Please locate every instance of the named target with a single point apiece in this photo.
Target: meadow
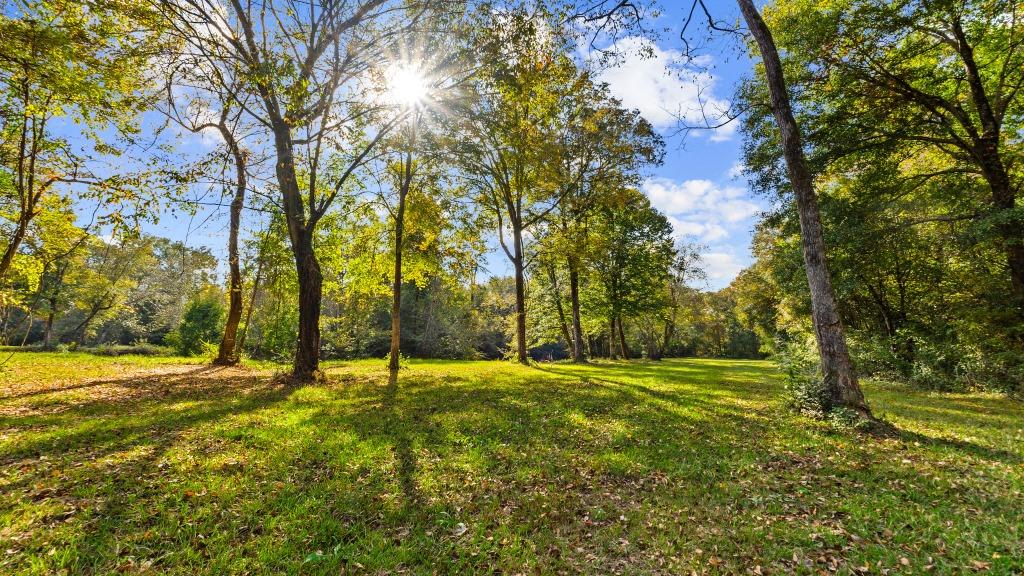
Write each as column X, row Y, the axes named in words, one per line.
column 164, row 465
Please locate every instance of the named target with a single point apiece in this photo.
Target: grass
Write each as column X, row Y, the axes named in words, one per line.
column 149, row 465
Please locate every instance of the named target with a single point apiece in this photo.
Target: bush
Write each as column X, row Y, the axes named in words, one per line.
column 200, row 324
column 805, row 388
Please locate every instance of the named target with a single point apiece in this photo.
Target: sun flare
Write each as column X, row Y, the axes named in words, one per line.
column 406, row 85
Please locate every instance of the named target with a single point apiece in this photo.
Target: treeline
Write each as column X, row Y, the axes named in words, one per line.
column 145, row 294
column 365, row 154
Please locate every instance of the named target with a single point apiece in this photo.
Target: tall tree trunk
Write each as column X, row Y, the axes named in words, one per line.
column 519, row 264
column 623, row 349
column 562, row 324
column 300, row 232
column 840, row 379
column 611, row 338
column 240, row 344
column 307, row 352
column 396, row 287
column 574, row 300
column 228, row 355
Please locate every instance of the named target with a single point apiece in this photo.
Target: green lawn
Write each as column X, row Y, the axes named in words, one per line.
column 151, row 465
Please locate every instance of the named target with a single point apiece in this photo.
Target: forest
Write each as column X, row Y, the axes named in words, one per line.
column 278, row 275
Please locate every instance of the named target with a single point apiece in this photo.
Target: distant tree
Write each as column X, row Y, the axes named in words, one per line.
column 505, row 143
column 631, row 258
column 598, row 146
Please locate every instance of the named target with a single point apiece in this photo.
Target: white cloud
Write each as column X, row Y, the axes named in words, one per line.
column 709, row 213
column 708, row 231
column 665, row 87
column 701, row 201
column 721, row 266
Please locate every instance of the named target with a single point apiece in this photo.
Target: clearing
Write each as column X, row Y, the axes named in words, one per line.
column 155, row 465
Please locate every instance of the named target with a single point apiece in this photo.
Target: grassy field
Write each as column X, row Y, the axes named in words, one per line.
column 152, row 465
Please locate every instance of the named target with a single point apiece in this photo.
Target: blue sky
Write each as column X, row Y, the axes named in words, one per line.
column 697, row 187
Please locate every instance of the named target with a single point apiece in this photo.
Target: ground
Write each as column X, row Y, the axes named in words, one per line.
column 152, row 465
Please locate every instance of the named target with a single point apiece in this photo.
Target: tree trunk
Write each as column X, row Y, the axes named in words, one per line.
column 300, row 233
column 228, row 355
column 396, row 288
column 562, row 324
column 1005, row 201
column 521, row 356
column 623, row 349
column 840, row 379
column 240, row 344
column 574, row 299
column 307, row 353
column 611, row 338
column 12, row 247
column 48, row 330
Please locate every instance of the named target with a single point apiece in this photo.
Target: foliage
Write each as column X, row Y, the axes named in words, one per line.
column 908, row 202
column 200, row 324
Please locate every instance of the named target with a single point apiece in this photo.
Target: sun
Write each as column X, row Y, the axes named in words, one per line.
column 407, row 85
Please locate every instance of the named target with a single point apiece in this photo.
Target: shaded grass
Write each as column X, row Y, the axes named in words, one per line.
column 148, row 465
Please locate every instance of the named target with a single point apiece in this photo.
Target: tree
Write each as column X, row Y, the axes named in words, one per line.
column 204, row 88
column 841, row 386
column 303, row 68
column 77, row 61
column 599, row 145
column 941, row 79
column 505, row 142
column 200, row 325
column 631, row 257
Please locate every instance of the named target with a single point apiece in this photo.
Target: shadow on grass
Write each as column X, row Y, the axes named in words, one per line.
column 467, row 471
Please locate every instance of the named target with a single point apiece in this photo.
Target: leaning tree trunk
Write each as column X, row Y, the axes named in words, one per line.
column 574, row 299
column 228, row 355
column 519, row 264
column 840, row 379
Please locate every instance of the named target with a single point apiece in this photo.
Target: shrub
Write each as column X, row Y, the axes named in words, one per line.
column 200, row 324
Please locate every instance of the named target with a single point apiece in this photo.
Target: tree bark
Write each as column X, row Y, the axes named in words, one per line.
column 519, row 264
column 307, row 352
column 574, row 299
column 48, row 330
column 306, row 366
column 611, row 339
column 396, row 287
column 840, row 379
column 228, row 354
column 12, row 246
